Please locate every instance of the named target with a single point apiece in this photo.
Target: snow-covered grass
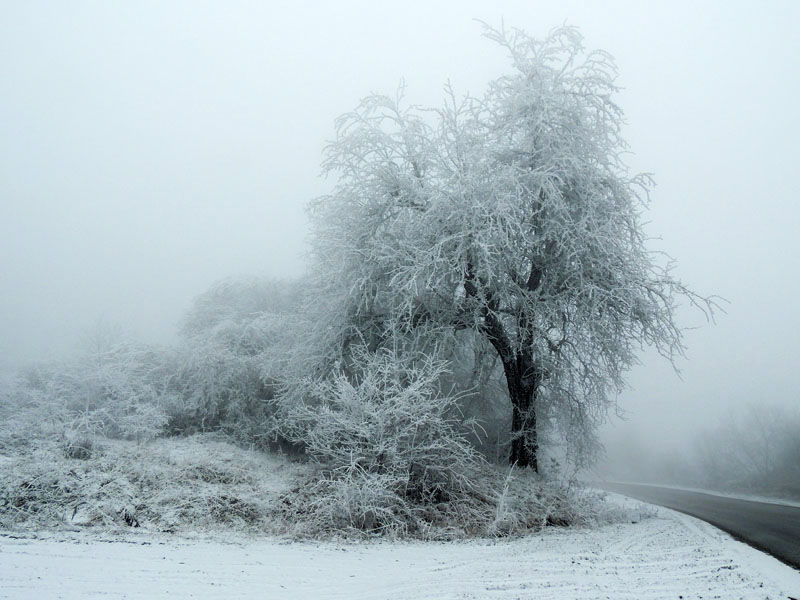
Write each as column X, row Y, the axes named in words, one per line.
column 204, row 483
column 172, row 484
column 669, row 556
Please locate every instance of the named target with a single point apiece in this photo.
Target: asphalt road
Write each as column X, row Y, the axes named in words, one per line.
column 773, row 528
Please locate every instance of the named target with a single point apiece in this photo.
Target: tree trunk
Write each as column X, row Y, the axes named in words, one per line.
column 523, row 384
column 522, row 376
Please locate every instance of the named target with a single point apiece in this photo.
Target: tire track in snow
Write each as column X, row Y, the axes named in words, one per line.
column 657, row 558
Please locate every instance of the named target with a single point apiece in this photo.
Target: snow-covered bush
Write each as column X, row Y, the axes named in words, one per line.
column 226, row 374
column 388, row 413
column 220, row 387
column 393, row 459
column 219, row 378
column 116, row 392
column 390, row 446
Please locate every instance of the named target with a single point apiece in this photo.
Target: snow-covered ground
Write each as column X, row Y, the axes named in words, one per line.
column 668, row 556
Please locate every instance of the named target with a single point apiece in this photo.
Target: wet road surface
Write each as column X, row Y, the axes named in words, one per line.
column 773, row 528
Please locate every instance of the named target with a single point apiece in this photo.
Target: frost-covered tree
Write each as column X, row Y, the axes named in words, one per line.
column 512, row 215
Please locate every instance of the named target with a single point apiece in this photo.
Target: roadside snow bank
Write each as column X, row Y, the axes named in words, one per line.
column 668, row 556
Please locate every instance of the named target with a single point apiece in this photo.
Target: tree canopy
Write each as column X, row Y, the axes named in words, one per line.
column 512, row 215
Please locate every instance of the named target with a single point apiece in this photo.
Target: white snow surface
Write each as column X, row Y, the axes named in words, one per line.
column 668, row 556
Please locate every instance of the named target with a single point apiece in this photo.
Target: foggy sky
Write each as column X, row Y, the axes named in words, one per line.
column 148, row 149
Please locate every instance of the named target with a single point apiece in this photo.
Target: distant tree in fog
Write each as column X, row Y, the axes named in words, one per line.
column 512, row 216
column 237, row 301
column 757, row 447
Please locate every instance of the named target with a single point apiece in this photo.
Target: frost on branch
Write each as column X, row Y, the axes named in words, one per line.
column 393, row 459
column 512, row 215
column 388, row 442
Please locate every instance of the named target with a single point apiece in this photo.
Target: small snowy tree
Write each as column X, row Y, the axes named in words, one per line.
column 512, row 215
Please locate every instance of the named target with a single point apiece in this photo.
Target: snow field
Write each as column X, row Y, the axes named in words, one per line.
column 667, row 556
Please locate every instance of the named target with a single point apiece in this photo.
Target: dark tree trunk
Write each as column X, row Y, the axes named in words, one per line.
column 522, row 376
column 523, row 379
column 523, row 384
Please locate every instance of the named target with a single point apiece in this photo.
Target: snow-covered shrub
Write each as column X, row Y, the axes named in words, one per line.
column 388, row 414
column 217, row 379
column 390, row 446
column 117, row 392
column 226, row 376
column 220, row 388
column 393, row 459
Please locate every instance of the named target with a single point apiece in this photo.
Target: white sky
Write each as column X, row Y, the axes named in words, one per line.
column 148, row 149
